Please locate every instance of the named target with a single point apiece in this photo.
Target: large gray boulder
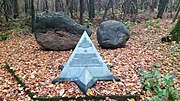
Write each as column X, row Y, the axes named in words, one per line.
column 58, row 40
column 57, row 31
column 112, row 34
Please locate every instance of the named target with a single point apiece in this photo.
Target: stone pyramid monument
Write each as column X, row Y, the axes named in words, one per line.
column 85, row 66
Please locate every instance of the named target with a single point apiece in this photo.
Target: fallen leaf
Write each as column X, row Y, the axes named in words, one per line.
column 62, row 91
column 132, row 99
column 148, row 93
column 89, row 92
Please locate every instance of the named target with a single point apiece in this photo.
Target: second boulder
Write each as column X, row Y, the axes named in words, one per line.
column 112, row 34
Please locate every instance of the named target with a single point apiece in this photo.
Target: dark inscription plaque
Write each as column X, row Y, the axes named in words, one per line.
column 85, row 60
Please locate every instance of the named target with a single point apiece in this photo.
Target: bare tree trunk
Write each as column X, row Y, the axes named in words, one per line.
column 67, row 6
column 46, row 6
column 15, row 9
column 175, row 17
column 151, row 6
column 42, row 6
column 171, row 8
column 99, row 6
column 176, row 4
column 145, row 6
column 112, row 7
column 88, row 7
column 91, row 9
column 56, row 5
column 76, row 7
column 154, row 4
column 32, row 15
column 5, row 7
column 81, row 10
column 53, row 5
column 37, row 5
column 29, row 6
column 142, row 4
column 61, row 6
column 130, row 7
column 135, row 3
column 26, row 5
column 71, row 8
column 161, row 7
column 106, row 9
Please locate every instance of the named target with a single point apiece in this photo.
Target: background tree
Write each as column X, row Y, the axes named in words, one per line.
column 71, row 8
column 108, row 4
column 6, row 9
column 130, row 8
column 15, row 9
column 91, row 9
column 154, row 4
column 57, row 6
column 161, row 7
column 26, row 4
column 115, row 9
column 81, row 10
column 32, row 15
column 178, row 9
column 46, row 8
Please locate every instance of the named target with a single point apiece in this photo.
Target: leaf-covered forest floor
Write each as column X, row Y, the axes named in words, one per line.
column 38, row 68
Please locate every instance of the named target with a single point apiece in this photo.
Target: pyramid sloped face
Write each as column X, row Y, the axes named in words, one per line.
column 85, row 55
column 85, row 66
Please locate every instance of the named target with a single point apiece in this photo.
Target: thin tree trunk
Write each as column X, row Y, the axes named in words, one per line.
column 175, row 17
column 32, row 15
column 112, row 7
column 154, row 4
column 15, row 9
column 135, row 3
column 106, row 9
column 76, row 8
column 88, row 7
column 81, row 10
column 46, row 6
column 145, row 6
column 56, row 5
column 29, row 5
column 171, row 8
column 151, row 6
column 91, row 9
column 142, row 4
column 161, row 7
column 37, row 5
column 5, row 7
column 176, row 4
column 99, row 6
column 26, row 5
column 53, row 5
column 71, row 8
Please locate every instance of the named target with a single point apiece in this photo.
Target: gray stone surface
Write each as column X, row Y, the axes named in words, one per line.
column 85, row 66
column 57, row 31
column 112, row 34
column 57, row 22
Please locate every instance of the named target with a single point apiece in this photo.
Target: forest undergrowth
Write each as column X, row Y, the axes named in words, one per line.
column 37, row 68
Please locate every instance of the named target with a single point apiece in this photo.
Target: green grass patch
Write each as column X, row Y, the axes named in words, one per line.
column 160, row 87
column 4, row 36
column 152, row 22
